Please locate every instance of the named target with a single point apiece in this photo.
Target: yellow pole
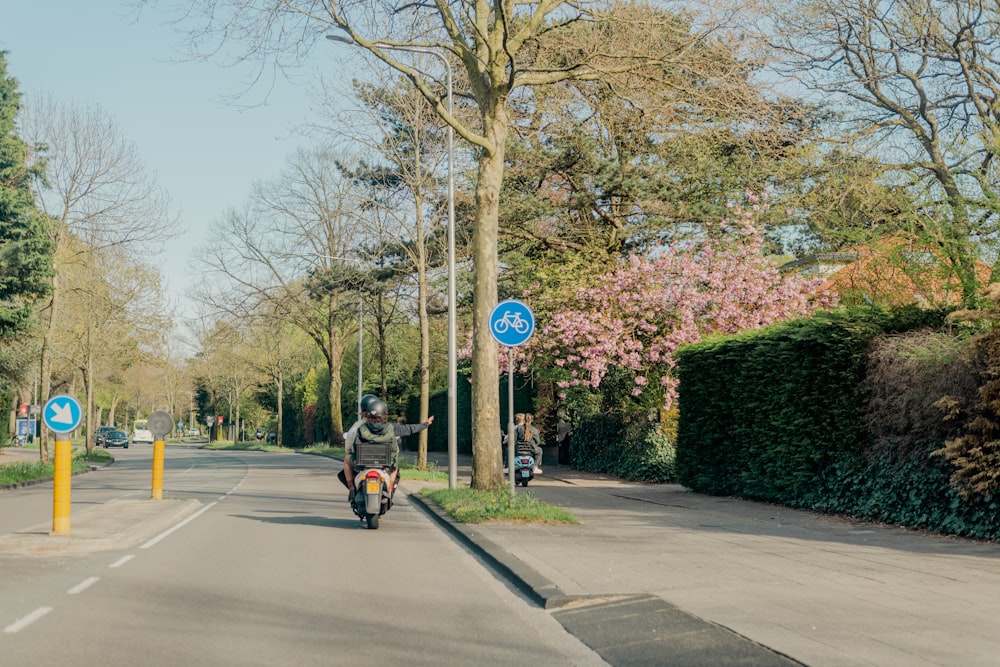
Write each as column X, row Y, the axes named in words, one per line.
column 157, row 470
column 62, row 473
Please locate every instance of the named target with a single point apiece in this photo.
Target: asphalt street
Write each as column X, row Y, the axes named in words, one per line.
column 655, row 575
column 251, row 559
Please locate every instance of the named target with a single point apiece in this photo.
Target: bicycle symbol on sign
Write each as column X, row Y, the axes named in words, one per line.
column 511, row 321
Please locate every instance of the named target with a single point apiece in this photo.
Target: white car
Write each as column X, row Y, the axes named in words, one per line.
column 142, row 435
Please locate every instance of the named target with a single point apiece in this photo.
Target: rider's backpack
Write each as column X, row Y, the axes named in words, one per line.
column 375, row 450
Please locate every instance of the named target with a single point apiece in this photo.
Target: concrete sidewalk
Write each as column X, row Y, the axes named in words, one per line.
column 655, row 575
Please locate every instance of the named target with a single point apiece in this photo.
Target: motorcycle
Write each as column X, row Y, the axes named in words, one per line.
column 371, row 497
column 524, row 468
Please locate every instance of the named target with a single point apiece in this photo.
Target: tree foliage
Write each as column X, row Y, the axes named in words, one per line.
column 25, row 248
column 285, row 257
column 496, row 46
column 611, row 166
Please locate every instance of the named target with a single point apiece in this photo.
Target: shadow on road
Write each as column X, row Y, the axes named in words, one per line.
column 304, row 520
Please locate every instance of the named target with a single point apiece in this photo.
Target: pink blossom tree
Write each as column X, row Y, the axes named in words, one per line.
column 636, row 315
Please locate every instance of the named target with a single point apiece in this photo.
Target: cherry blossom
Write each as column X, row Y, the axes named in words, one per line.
column 642, row 310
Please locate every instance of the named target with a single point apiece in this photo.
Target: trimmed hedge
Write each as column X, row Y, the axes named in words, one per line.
column 915, row 494
column 639, row 452
column 765, row 413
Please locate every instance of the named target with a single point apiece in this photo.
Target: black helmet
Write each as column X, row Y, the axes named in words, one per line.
column 377, row 410
column 366, row 401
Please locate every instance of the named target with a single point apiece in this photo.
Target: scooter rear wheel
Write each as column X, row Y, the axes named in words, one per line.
column 373, row 521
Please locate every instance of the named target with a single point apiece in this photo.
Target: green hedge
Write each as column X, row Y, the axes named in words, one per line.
column 915, row 494
column 639, row 452
column 765, row 413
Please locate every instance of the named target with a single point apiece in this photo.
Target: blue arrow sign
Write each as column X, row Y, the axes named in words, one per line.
column 62, row 413
column 512, row 323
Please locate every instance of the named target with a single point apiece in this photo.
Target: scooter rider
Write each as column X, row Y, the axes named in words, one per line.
column 528, row 440
column 378, row 428
column 363, row 405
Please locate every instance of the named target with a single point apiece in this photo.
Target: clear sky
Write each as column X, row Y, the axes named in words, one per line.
column 205, row 152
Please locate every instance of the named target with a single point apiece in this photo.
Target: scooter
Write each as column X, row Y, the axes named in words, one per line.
column 371, row 498
column 524, row 468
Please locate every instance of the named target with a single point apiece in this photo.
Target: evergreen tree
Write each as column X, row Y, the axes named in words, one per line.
column 25, row 248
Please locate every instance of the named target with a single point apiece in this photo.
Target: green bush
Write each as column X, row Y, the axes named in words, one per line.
column 597, row 444
column 639, row 452
column 914, row 493
column 649, row 454
column 765, row 413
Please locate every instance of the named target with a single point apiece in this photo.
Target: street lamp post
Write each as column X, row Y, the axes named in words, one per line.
column 452, row 309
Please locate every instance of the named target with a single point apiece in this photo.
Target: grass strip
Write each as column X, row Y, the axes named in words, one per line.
column 498, row 506
column 26, row 471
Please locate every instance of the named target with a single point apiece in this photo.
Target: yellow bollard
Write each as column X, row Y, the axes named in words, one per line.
column 157, row 470
column 62, row 474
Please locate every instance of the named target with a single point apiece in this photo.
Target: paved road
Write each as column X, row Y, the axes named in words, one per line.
column 258, row 561
column 655, row 575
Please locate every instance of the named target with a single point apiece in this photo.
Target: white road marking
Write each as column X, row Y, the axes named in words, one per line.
column 22, row 623
column 177, row 526
column 83, row 585
column 121, row 561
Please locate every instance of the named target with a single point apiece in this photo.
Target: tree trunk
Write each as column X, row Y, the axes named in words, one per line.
column 281, row 407
column 45, row 372
column 487, row 464
column 336, row 384
column 88, row 387
column 112, row 410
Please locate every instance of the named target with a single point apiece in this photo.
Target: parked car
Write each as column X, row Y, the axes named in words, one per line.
column 116, row 439
column 102, row 432
column 193, row 431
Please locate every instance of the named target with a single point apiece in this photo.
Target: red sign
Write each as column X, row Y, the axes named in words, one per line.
column 218, row 419
column 22, row 410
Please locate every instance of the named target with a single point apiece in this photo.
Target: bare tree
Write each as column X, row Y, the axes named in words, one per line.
column 96, row 190
column 917, row 83
column 259, row 259
column 404, row 183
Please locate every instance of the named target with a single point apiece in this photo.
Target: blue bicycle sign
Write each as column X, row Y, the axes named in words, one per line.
column 512, row 323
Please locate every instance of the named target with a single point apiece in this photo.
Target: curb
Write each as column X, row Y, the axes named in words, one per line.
column 540, row 590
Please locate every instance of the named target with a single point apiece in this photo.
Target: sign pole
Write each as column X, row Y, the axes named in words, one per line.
column 512, row 323
column 511, row 436
column 62, row 474
column 157, row 469
column 159, row 424
column 62, row 414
